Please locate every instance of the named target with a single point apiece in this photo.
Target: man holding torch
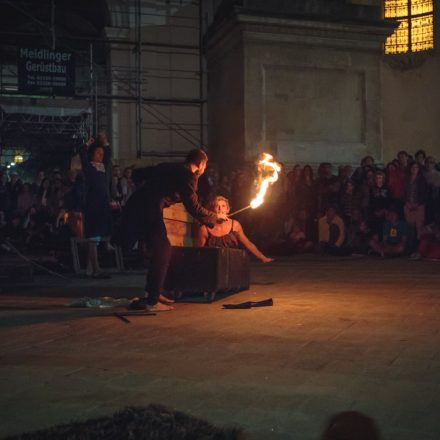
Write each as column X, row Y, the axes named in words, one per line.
column 164, row 185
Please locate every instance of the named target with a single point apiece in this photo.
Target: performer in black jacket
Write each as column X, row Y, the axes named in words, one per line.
column 163, row 185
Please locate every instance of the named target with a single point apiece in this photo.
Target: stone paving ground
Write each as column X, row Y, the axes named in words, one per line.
column 343, row 334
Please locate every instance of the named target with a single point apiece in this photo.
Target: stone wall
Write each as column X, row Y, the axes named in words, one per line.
column 311, row 88
column 411, row 108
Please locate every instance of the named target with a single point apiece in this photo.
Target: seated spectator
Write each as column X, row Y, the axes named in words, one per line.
column 429, row 245
column 394, row 236
column 351, row 425
column 295, row 237
column 13, row 232
column 358, row 233
column 37, row 231
column 331, row 233
column 228, row 234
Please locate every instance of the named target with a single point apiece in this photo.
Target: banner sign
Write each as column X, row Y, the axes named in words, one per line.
column 45, row 71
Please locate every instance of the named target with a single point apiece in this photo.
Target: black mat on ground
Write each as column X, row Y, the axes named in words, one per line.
column 154, row 422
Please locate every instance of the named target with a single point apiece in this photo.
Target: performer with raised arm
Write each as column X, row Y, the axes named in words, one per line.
column 96, row 163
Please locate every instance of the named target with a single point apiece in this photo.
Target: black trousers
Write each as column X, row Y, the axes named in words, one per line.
column 157, row 241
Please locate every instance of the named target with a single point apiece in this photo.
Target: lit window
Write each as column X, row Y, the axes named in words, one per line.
column 415, row 31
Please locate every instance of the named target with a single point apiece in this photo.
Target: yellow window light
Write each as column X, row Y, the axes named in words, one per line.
column 415, row 32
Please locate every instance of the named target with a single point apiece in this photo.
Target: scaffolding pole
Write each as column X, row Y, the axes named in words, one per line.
column 201, row 83
column 138, row 81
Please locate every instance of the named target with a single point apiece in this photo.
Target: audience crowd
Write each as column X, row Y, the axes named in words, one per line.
column 371, row 210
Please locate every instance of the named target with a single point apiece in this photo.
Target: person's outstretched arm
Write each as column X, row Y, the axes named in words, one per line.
column 249, row 245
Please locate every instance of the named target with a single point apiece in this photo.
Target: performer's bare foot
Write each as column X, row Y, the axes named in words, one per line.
column 164, row 300
column 159, row 307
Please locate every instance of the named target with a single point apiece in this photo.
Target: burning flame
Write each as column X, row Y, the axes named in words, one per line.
column 268, row 171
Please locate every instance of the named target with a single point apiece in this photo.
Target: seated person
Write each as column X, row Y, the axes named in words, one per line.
column 395, row 236
column 227, row 234
column 331, row 232
column 358, row 233
column 429, row 245
column 295, row 236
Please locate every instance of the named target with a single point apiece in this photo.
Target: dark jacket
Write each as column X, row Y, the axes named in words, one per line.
column 163, row 185
column 96, row 210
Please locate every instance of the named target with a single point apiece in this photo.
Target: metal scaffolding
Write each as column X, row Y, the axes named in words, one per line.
column 101, row 82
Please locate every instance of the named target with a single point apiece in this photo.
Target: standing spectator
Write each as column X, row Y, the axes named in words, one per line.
column 293, row 181
column 347, row 201
column 25, row 199
column 415, row 197
column 74, row 202
column 95, row 161
column 307, row 191
column 13, row 187
column 328, row 187
column 44, row 194
column 345, row 173
column 127, row 186
column 364, row 190
column 55, row 197
column 208, row 184
column 379, row 202
column 5, row 199
column 394, row 183
column 359, row 175
column 37, row 182
column 400, row 177
column 224, row 186
column 115, row 185
column 420, row 158
column 432, row 177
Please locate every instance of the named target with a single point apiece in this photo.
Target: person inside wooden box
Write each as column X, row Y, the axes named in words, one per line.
column 228, row 234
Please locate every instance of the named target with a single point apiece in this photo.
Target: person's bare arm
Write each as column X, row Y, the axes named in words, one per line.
column 249, row 245
column 201, row 235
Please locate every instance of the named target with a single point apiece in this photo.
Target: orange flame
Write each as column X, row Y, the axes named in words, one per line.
column 268, row 171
